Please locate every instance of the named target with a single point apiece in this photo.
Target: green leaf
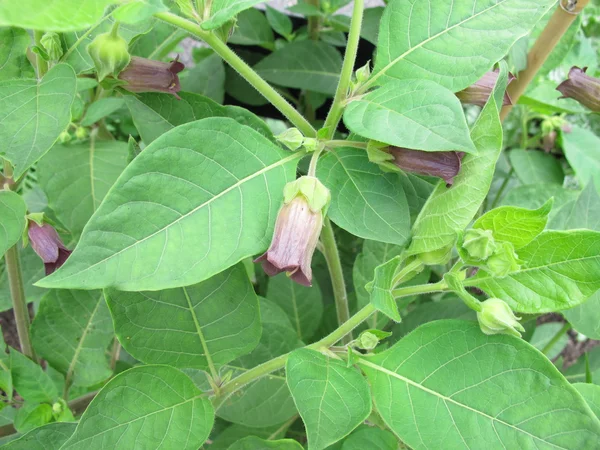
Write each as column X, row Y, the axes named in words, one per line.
column 519, row 226
column 455, row 43
column 416, row 114
column 577, row 372
column 449, row 210
column 72, row 331
column 499, row 385
column 561, row 270
column 381, row 288
column 32, row 269
column 75, row 190
column 279, row 21
column 237, row 87
column 158, row 44
column 582, row 149
column 53, row 15
column 137, row 10
column 48, row 437
column 364, row 201
column 224, row 10
column 302, row 305
column 155, row 114
column 332, row 398
column 13, row 54
column 542, row 336
column 252, row 28
column 30, row 381
column 33, row 115
column 12, row 219
column 535, row 167
column 591, row 395
column 582, row 212
column 585, row 318
column 212, row 322
column 100, row 109
column 145, row 407
column 206, row 78
column 307, row 64
column 256, row 443
column 535, row 195
column 545, row 99
column 370, row 438
column 31, row 416
column 233, row 433
column 213, row 175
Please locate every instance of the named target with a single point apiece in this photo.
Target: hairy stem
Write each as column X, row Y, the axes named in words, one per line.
column 560, row 333
column 342, row 143
column 420, row 289
column 314, row 22
column 40, row 63
column 341, row 93
column 243, row 69
column 334, row 265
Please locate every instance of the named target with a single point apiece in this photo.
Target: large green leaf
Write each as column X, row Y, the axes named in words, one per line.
column 48, row 437
column 256, row 443
column 145, row 407
column 582, row 149
column 223, row 10
column 72, row 331
column 561, row 270
column 536, row 167
column 332, row 398
column 364, row 201
column 544, row 334
column 75, row 190
column 591, row 394
column 585, row 318
column 33, row 115
column 366, row 437
column 417, row 114
column 306, row 64
column 453, row 43
column 196, row 201
column 207, row 77
column 155, row 114
column 499, row 386
column 53, row 15
column 13, row 54
column 252, row 28
column 212, row 322
column 12, row 219
column 30, row 381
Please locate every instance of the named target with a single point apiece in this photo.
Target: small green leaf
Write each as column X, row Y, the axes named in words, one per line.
column 332, row 399
column 381, row 288
column 366, row 437
column 34, row 114
column 137, row 10
column 145, row 407
column 252, row 28
column 582, row 149
column 561, row 270
column 256, row 443
column 100, row 109
column 591, row 395
column 48, row 437
column 12, row 219
column 280, row 22
column 223, row 10
column 518, row 226
column 13, row 54
column 30, row 381
column 535, row 167
column 32, row 415
column 416, row 114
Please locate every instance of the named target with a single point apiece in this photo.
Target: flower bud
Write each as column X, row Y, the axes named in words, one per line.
column 479, row 244
column 496, row 317
column 581, row 87
column 445, row 165
column 291, row 138
column 64, row 137
column 479, row 92
column 503, row 261
column 109, row 53
column 51, row 43
column 297, row 230
column 368, row 339
column 81, row 133
column 146, row 75
column 363, row 73
column 48, row 245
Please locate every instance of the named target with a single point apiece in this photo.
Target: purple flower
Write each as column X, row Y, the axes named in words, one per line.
column 146, row 75
column 581, row 87
column 47, row 244
column 479, row 92
column 445, row 165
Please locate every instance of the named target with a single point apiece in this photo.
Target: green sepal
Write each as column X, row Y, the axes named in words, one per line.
column 316, row 194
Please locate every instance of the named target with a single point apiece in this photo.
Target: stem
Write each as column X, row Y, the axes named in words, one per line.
column 115, row 354
column 560, row 333
column 415, row 264
column 502, row 187
column 334, row 265
column 40, row 63
column 545, row 43
column 164, row 47
column 335, row 113
column 420, row 289
column 243, row 69
column 342, row 143
column 314, row 22
column 312, row 167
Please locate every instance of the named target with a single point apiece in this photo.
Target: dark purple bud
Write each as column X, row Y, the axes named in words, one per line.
column 479, row 92
column 47, row 244
column 296, row 235
column 581, row 87
column 146, row 75
column 445, row 165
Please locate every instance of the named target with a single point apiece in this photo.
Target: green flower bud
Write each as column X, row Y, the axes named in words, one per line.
column 311, row 144
column 51, row 43
column 503, row 261
column 363, row 73
column 479, row 244
column 109, row 53
column 57, row 408
column 64, row 137
column 291, row 138
column 496, row 317
column 316, row 194
column 368, row 339
column 440, row 256
column 81, row 133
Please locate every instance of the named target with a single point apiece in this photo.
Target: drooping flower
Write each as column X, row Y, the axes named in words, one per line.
column 46, row 242
column 479, row 92
column 445, row 165
column 496, row 317
column 581, row 87
column 297, row 230
column 146, row 75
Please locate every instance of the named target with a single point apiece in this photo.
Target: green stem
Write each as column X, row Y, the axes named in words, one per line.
column 560, row 333
column 342, row 143
column 502, row 188
column 341, row 93
column 420, row 289
column 312, row 167
column 41, row 63
column 314, row 22
column 165, row 46
column 406, row 270
column 243, row 69
column 334, row 265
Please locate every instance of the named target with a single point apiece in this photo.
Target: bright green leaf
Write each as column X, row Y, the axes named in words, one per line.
column 33, row 115
column 12, row 219
column 223, row 10
column 31, row 416
column 533, row 196
column 332, row 398
column 279, row 21
column 256, row 443
column 381, row 288
column 48, row 437
column 100, row 109
column 252, row 28
column 591, row 395
column 582, row 212
column 582, row 149
column 135, row 11
column 545, row 99
column 30, row 381
column 585, row 318
column 370, row 438
column 535, row 167
column 13, row 54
